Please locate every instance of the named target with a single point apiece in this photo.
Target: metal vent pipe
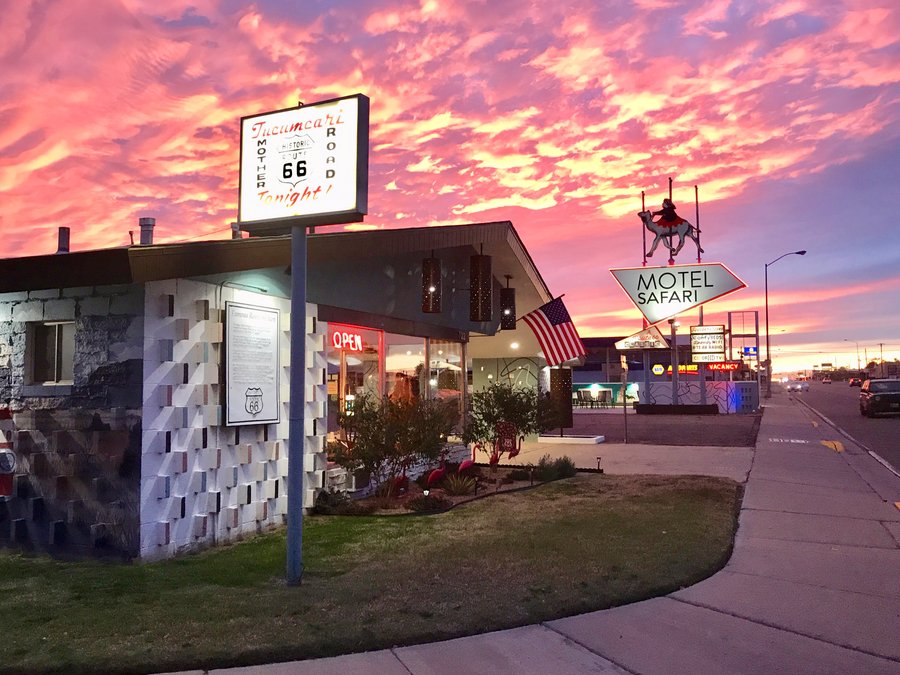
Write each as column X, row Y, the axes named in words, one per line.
column 63, row 240
column 147, row 225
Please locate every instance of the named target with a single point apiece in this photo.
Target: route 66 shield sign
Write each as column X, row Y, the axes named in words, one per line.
column 253, row 401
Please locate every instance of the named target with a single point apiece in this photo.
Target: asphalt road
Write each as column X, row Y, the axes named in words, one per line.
column 839, row 402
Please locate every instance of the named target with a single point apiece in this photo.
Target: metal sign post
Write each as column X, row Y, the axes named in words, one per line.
column 302, row 167
column 296, row 435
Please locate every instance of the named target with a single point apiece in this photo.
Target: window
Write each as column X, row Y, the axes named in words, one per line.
column 52, row 352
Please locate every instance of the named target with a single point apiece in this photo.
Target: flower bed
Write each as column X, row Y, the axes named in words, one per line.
column 402, row 496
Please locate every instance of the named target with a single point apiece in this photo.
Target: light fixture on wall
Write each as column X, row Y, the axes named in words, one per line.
column 507, row 306
column 431, row 285
column 481, row 287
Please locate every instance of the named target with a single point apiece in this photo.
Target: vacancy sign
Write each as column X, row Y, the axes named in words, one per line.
column 306, row 162
column 708, row 343
column 724, row 366
column 663, row 292
column 649, row 338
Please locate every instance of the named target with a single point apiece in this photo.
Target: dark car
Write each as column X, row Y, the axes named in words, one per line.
column 855, row 382
column 879, row 396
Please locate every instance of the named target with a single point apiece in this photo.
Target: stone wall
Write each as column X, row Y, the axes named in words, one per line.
column 77, row 446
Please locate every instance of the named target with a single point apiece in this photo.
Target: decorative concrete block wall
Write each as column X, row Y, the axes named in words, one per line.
column 77, row 446
column 202, row 482
column 730, row 397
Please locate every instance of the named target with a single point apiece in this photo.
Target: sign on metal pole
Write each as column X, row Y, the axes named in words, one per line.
column 663, row 292
column 302, row 167
column 708, row 343
column 649, row 338
column 305, row 165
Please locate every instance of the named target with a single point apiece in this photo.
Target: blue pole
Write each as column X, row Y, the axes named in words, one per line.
column 296, row 432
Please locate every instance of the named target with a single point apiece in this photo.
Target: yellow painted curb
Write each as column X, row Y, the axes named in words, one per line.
column 837, row 446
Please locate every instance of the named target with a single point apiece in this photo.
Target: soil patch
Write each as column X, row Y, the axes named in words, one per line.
column 715, row 430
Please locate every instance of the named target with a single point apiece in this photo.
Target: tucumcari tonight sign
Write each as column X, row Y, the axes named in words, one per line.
column 306, row 162
column 663, row 292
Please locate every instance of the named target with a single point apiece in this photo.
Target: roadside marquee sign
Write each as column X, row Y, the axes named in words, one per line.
column 663, row 292
column 708, row 343
column 648, row 338
column 308, row 163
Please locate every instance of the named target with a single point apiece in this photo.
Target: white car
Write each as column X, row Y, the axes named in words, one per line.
column 798, row 385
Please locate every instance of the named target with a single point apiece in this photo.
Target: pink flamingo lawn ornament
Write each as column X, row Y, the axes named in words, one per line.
column 465, row 465
column 437, row 475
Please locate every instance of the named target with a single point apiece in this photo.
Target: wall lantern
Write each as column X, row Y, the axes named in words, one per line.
column 507, row 306
column 481, row 287
column 431, row 285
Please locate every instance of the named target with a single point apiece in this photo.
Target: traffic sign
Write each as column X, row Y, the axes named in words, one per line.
column 663, row 292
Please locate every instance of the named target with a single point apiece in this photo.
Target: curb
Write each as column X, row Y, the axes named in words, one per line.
column 878, row 458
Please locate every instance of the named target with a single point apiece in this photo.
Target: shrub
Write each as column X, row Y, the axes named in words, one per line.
column 385, row 493
column 386, row 437
column 553, row 469
column 520, row 474
column 333, row 503
column 565, row 467
column 502, row 402
column 430, row 503
column 459, row 485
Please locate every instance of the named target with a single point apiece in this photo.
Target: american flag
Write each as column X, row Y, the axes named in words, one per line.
column 555, row 332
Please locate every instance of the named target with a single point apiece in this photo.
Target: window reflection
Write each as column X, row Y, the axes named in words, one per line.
column 404, row 366
column 352, row 367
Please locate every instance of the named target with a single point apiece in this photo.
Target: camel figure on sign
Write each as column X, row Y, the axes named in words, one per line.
column 680, row 230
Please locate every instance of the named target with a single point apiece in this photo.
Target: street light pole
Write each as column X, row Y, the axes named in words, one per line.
column 857, row 354
column 768, row 352
column 673, row 325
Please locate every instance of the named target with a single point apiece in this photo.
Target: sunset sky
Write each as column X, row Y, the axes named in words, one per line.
column 785, row 114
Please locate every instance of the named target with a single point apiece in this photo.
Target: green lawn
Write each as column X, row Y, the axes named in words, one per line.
column 581, row 544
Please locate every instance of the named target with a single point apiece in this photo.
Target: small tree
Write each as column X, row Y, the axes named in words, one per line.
column 385, row 437
column 502, row 402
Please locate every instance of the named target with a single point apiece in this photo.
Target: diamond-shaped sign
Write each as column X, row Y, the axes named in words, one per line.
column 649, row 338
column 663, row 292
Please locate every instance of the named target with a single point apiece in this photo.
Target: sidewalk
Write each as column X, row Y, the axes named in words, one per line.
column 813, row 584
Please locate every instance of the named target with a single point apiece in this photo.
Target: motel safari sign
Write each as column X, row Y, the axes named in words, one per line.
column 663, row 292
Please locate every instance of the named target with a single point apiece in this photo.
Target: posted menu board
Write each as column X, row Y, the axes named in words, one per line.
column 251, row 364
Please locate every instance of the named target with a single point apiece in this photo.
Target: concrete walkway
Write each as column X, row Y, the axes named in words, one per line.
column 813, row 584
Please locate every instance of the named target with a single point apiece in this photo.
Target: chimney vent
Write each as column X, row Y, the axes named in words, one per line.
column 63, row 239
column 147, row 225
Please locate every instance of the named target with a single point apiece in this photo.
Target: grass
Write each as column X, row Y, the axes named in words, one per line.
column 577, row 545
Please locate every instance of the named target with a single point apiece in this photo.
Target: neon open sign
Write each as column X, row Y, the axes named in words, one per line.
column 347, row 340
